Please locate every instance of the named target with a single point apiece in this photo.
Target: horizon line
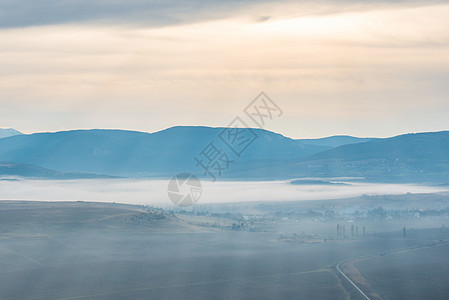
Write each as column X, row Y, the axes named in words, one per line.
column 220, row 127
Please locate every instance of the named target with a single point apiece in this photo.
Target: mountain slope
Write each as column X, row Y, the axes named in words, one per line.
column 131, row 153
column 335, row 141
column 7, row 132
column 428, row 146
column 410, row 157
column 8, row 170
column 405, row 158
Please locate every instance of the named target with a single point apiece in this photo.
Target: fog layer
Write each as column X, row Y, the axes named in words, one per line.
column 154, row 192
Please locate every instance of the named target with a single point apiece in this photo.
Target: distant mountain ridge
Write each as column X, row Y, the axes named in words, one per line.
column 425, row 146
column 271, row 156
column 132, row 153
column 404, row 158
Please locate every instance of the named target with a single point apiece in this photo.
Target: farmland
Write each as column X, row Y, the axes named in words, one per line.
column 83, row 250
column 419, row 273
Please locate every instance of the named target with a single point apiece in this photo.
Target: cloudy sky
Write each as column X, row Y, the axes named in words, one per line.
column 365, row 68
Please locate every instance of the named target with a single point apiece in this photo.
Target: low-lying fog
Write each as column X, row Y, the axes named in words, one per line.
column 150, row 192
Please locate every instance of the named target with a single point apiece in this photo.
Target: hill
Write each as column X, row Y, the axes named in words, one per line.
column 131, row 153
column 7, row 132
column 404, row 158
column 269, row 156
column 420, row 147
column 10, row 171
column 335, row 141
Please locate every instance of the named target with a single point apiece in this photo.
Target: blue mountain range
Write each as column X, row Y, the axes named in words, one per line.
column 264, row 154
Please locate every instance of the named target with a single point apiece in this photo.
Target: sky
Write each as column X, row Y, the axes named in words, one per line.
column 363, row 68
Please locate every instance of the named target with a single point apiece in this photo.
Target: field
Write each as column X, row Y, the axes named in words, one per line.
column 82, row 250
column 420, row 273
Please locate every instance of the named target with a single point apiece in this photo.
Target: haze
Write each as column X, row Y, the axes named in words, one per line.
column 154, row 192
column 366, row 69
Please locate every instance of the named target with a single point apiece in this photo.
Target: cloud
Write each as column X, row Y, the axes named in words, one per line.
column 21, row 13
column 377, row 71
column 156, row 13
